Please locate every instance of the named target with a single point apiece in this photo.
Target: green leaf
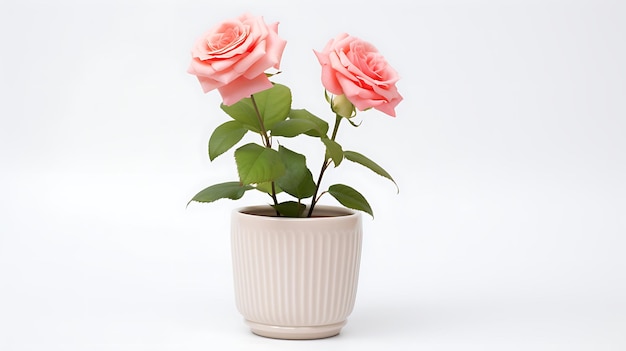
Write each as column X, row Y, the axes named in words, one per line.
column 258, row 164
column 350, row 198
column 364, row 161
column 274, row 104
column 267, row 188
column 290, row 209
column 333, row 151
column 224, row 137
column 243, row 111
column 297, row 180
column 293, row 127
column 228, row 190
column 321, row 124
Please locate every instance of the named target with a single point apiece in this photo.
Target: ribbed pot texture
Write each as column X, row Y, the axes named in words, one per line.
column 296, row 278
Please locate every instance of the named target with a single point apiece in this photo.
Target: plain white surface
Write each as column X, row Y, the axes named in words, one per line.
column 508, row 232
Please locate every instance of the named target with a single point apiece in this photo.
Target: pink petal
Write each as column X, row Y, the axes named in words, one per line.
column 209, row 84
column 225, row 76
column 242, row 88
column 329, row 80
column 245, row 63
column 275, row 46
column 389, row 107
column 199, row 68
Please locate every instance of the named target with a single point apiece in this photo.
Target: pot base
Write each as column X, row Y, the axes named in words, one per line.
column 296, row 333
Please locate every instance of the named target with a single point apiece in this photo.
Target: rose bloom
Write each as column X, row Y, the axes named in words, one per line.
column 354, row 68
column 232, row 57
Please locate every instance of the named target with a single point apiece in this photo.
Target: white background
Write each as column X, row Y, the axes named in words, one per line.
column 508, row 232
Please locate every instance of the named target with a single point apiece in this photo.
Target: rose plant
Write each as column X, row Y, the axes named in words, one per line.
column 233, row 58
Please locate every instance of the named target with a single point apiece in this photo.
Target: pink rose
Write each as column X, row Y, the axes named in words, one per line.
column 355, row 68
column 232, row 57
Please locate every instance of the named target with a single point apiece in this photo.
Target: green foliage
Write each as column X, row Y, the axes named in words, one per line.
column 350, row 198
column 290, row 209
column 279, row 170
column 268, row 189
column 258, row 164
column 333, row 151
column 364, row 161
column 224, row 137
column 302, row 114
column 228, row 190
column 244, row 113
column 297, row 180
column 293, row 127
column 274, row 104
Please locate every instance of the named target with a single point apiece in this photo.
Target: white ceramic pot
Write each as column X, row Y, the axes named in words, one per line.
column 296, row 278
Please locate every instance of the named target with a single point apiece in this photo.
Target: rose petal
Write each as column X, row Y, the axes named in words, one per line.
column 356, row 69
column 242, row 88
column 245, row 63
column 203, row 69
column 233, row 56
column 389, row 107
column 209, row 84
column 329, row 79
column 275, row 46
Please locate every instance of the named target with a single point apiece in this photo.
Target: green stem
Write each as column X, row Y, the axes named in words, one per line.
column 325, row 165
column 267, row 142
column 336, row 128
column 266, row 138
column 274, row 197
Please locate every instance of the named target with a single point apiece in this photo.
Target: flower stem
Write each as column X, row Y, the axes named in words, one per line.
column 338, row 119
column 325, row 165
column 267, row 142
column 266, row 138
column 274, row 197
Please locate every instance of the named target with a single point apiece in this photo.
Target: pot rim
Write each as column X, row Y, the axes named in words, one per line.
column 324, row 212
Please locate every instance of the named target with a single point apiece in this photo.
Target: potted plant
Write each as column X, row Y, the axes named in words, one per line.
column 295, row 262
